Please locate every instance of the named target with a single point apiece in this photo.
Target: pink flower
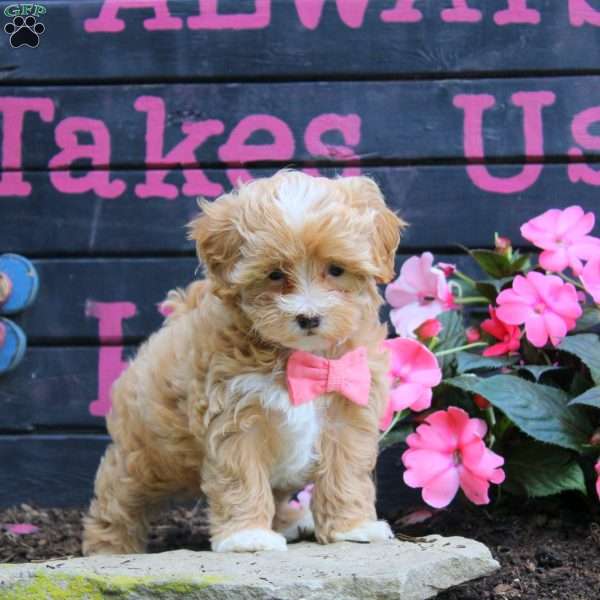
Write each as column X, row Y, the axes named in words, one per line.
column 562, row 235
column 480, row 402
column 545, row 303
column 598, row 480
column 448, row 452
column 429, row 329
column 414, row 371
column 448, row 269
column 509, row 335
column 21, row 528
column 590, row 277
column 421, row 292
column 472, row 334
column 303, row 498
column 503, row 245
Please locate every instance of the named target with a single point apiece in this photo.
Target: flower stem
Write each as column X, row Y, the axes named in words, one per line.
column 464, row 277
column 576, row 283
column 471, row 300
column 460, row 348
column 397, row 417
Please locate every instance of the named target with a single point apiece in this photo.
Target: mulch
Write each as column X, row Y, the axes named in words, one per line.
column 548, row 550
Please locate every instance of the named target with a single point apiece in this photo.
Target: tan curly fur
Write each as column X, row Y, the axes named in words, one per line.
column 203, row 407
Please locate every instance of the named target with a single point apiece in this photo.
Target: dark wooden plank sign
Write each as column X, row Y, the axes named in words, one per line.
column 161, row 127
column 431, row 198
column 91, row 40
column 115, row 115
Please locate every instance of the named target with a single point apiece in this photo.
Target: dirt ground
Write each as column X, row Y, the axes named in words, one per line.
column 547, row 551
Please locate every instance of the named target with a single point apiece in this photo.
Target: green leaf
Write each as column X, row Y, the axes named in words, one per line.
column 538, row 410
column 538, row 370
column 469, row 361
column 520, row 262
column 396, row 436
column 494, row 264
column 586, row 347
column 589, row 319
column 487, row 289
column 541, row 470
column 589, row 398
column 451, row 336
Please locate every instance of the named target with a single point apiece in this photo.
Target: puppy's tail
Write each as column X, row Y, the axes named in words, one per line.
column 179, row 301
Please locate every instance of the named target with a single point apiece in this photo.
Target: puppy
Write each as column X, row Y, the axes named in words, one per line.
column 292, row 262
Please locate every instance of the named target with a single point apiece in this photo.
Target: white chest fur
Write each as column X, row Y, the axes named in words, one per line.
column 297, row 427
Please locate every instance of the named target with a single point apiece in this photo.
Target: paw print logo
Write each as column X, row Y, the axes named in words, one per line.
column 24, row 32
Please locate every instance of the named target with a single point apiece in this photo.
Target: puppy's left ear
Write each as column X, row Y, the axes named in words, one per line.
column 364, row 194
column 217, row 236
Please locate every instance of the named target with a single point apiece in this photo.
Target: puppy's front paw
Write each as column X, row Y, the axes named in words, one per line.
column 250, row 540
column 369, row 531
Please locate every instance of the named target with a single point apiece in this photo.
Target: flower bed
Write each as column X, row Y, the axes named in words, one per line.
column 496, row 381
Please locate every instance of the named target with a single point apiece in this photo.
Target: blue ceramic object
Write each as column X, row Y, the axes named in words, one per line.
column 24, row 283
column 13, row 344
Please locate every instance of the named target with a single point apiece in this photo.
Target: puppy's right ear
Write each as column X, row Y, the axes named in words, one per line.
column 216, row 234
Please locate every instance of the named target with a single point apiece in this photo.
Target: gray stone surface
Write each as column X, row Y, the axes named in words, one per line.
column 307, row 571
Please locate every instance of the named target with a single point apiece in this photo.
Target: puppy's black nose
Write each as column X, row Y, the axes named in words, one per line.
column 308, row 322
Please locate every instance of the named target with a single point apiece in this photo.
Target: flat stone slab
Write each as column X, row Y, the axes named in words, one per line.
column 394, row 570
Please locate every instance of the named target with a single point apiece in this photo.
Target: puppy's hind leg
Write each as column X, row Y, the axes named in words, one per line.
column 119, row 515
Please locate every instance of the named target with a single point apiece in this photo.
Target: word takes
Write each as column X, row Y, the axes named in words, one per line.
column 532, row 105
column 236, row 150
column 351, row 12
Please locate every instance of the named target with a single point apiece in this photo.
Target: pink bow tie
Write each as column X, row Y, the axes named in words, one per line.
column 309, row 376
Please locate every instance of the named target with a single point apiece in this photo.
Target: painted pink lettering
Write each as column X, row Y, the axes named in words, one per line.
column 580, row 130
column 110, row 317
column 13, row 115
column 237, row 151
column 352, row 12
column 98, row 152
column 474, row 105
column 348, row 125
column 183, row 154
column 402, row 12
column 461, row 12
column 580, row 13
column 209, row 18
column 108, row 22
column 517, row 13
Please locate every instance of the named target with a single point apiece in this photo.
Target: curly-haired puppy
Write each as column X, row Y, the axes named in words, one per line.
column 292, row 265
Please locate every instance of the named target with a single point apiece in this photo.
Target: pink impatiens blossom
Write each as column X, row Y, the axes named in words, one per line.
column 448, row 269
column 421, row 292
column 509, row 336
column 429, row 329
column 472, row 334
column 590, row 277
column 448, row 452
column 598, row 480
column 414, row 371
column 303, row 498
column 562, row 235
column 545, row 303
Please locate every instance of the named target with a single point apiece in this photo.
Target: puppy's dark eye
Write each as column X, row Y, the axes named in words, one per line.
column 276, row 275
column 335, row 270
